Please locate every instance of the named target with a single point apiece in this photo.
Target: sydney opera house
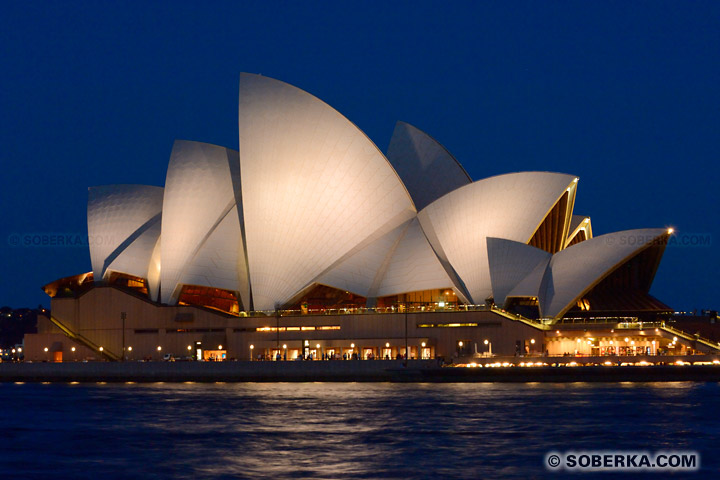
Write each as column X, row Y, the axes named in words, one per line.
column 310, row 240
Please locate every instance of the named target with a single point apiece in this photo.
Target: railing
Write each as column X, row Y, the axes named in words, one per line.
column 519, row 318
column 690, row 337
column 586, row 320
column 369, row 310
column 401, row 310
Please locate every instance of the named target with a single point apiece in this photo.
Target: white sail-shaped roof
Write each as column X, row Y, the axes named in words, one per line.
column 428, row 170
column 313, row 185
column 120, row 216
column 413, row 266
column 135, row 258
column 361, row 272
column 579, row 223
column 575, row 270
column 510, row 262
column 508, row 206
column 220, row 262
column 201, row 189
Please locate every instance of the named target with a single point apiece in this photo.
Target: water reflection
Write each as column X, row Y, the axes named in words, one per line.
column 341, row 430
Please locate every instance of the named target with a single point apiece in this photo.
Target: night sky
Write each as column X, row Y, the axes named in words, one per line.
column 624, row 95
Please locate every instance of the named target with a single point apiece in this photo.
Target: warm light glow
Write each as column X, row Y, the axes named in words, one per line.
column 130, row 349
column 423, row 344
column 219, row 347
column 19, row 349
column 46, row 349
column 101, row 349
column 674, row 339
column 73, row 349
column 627, row 339
column 460, row 344
column 611, row 342
column 670, row 231
column 486, row 342
column 387, row 345
column 252, row 347
column 284, row 346
column 352, row 345
column 532, row 340
column 159, row 348
column 317, row 346
column 189, row 347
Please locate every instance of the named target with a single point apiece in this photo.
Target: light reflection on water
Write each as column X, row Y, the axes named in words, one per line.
column 341, row 430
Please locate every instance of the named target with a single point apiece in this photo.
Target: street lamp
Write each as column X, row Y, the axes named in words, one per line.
column 123, row 315
column 489, row 344
column 252, row 347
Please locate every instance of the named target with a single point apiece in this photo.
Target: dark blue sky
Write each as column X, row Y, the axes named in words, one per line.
column 623, row 94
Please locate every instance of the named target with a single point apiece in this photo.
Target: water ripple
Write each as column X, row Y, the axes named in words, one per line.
column 341, row 430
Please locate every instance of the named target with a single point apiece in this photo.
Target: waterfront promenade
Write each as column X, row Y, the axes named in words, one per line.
column 497, row 369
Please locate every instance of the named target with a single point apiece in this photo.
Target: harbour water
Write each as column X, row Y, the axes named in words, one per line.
column 344, row 430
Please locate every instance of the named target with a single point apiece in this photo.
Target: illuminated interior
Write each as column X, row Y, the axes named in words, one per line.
column 214, row 298
column 436, row 298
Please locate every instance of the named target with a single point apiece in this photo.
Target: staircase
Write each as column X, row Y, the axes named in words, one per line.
column 83, row 340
